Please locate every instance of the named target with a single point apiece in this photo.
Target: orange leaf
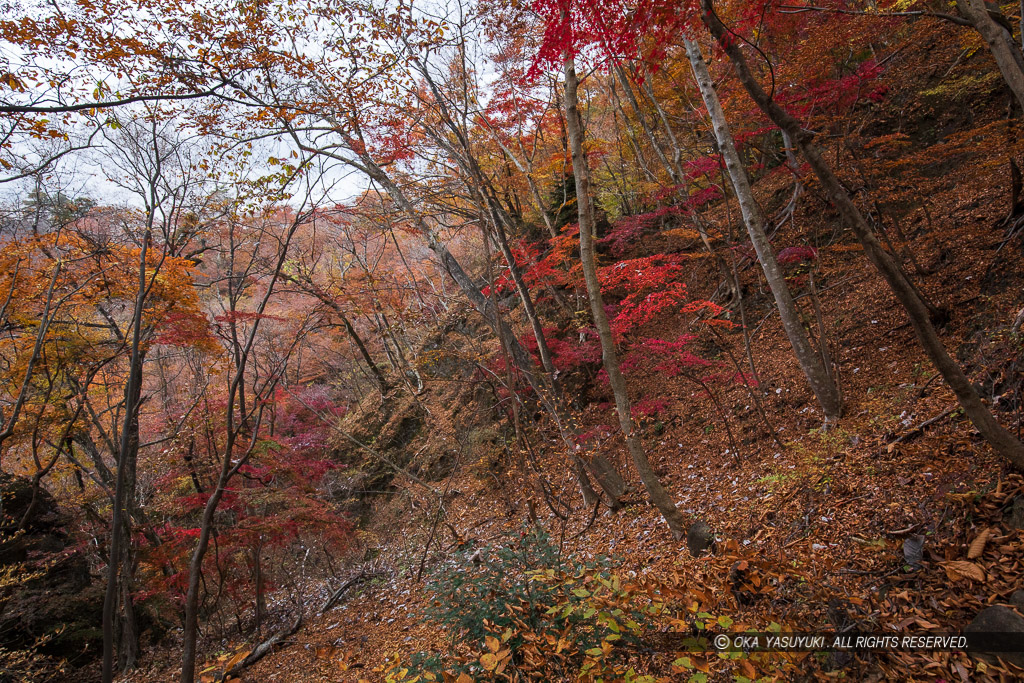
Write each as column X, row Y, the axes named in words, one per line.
column 748, row 669
column 489, row 661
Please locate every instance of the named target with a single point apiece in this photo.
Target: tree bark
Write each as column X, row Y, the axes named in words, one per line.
column 810, row 362
column 125, row 467
column 997, row 436
column 585, row 210
column 1000, row 43
column 237, row 425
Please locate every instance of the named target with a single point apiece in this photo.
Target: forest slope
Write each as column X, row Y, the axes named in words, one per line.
column 643, row 322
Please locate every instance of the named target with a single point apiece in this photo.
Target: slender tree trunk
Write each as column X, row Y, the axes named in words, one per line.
column 261, row 600
column 382, row 383
column 1005, row 443
column 1000, row 43
column 128, row 649
column 120, row 514
column 128, row 641
column 526, row 168
column 190, row 634
column 574, row 124
column 810, row 362
column 237, row 425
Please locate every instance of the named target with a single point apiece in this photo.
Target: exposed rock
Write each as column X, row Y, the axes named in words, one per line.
column 15, row 499
column 1017, row 600
column 1016, row 516
column 913, row 550
column 63, row 602
column 999, row 620
column 699, row 538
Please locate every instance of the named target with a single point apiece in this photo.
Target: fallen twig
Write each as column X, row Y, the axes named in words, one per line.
column 916, row 431
column 358, row 578
column 593, row 516
column 265, row 648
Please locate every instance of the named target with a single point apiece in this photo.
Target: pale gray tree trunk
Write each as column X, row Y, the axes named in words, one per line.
column 125, row 485
column 810, row 362
column 574, row 125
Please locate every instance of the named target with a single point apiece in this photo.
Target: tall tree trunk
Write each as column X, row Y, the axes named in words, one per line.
column 190, row 633
column 998, row 437
column 128, row 648
column 128, row 640
column 817, row 375
column 1000, row 43
column 125, row 468
column 574, row 124
column 237, row 425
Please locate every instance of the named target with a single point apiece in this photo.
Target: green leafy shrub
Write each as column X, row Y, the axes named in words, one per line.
column 523, row 611
column 521, row 604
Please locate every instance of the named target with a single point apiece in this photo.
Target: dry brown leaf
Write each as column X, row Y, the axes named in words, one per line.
column 961, row 569
column 978, row 545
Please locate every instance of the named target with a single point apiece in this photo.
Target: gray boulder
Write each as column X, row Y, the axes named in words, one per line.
column 1001, row 620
